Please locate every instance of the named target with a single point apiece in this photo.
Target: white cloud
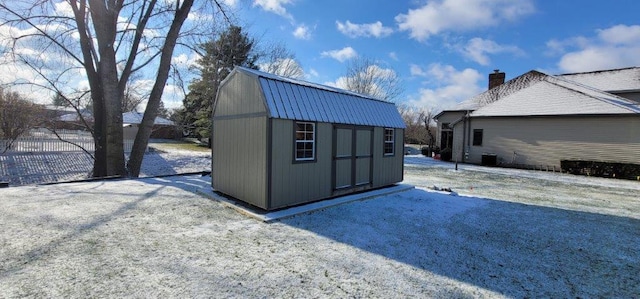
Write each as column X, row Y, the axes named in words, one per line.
column 185, row 61
column 313, row 73
column 366, row 30
column 195, row 15
column 613, row 47
column 450, row 86
column 416, row 70
column 394, row 56
column 621, row 35
column 274, row 6
column 231, row 3
column 341, row 55
column 302, row 32
column 477, row 49
column 460, row 15
column 63, row 9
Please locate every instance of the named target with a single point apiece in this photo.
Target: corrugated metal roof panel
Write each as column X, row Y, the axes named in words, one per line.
column 299, row 100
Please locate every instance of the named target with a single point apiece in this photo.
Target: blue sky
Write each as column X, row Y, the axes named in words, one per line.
column 443, row 50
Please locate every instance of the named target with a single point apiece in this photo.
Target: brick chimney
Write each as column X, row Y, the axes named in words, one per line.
column 496, row 78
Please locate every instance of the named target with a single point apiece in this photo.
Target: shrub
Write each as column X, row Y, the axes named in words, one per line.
column 602, row 169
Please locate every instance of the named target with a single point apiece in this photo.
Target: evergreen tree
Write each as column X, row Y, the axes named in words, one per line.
column 231, row 48
column 59, row 101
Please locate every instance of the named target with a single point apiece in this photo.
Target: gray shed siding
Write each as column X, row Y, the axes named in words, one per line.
column 239, row 159
column 295, row 183
column 239, row 95
column 387, row 170
column 545, row 141
column 239, row 141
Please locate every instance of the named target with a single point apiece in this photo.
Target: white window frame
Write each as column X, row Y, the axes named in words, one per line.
column 312, row 141
column 392, row 141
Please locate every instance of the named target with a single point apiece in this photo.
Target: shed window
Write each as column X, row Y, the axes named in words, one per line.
column 477, row 137
column 305, row 141
column 388, row 141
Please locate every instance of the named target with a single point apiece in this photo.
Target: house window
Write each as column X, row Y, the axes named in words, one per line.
column 388, row 141
column 305, row 141
column 477, row 136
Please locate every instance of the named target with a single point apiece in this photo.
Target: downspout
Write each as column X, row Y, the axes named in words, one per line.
column 466, row 127
column 467, row 119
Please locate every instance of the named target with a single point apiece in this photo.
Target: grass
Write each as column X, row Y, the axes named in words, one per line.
column 179, row 145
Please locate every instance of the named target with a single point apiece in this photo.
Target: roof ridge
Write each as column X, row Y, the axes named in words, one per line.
column 505, row 89
column 600, row 71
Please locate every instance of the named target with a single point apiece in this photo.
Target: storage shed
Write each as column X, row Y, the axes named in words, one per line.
column 280, row 142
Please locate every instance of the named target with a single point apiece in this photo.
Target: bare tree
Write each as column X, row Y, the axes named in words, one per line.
column 108, row 41
column 279, row 60
column 413, row 133
column 17, row 117
column 426, row 117
column 366, row 77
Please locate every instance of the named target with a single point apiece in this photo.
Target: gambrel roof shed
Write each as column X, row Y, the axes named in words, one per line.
column 280, row 142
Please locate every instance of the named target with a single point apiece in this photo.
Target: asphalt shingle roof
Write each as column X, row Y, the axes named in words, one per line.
column 626, row 79
column 538, row 94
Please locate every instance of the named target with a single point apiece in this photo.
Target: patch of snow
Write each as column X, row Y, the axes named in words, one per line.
column 508, row 234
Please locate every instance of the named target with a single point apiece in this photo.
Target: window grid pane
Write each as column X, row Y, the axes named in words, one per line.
column 305, row 141
column 388, row 141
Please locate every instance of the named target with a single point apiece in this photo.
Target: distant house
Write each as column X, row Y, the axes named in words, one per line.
column 539, row 120
column 279, row 142
column 162, row 127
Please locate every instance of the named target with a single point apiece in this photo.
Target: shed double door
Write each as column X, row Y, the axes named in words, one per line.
column 352, row 158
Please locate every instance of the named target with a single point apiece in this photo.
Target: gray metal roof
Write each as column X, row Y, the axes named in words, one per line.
column 305, row 101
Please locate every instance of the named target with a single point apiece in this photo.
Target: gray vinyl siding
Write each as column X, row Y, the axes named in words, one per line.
column 239, row 165
column 544, row 141
column 460, row 142
column 296, row 183
column 387, row 170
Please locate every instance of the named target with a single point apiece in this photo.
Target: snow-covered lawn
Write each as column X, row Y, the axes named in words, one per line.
column 38, row 168
column 508, row 233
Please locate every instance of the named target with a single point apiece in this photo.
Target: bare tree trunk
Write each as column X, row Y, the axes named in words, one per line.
column 103, row 80
column 150, row 113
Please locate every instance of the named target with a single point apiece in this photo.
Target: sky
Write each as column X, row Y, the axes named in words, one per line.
column 441, row 50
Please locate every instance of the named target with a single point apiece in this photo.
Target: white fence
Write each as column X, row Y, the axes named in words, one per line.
column 43, row 140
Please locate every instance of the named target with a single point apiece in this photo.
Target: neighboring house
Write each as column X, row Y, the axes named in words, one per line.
column 280, row 142
column 162, row 127
column 537, row 120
